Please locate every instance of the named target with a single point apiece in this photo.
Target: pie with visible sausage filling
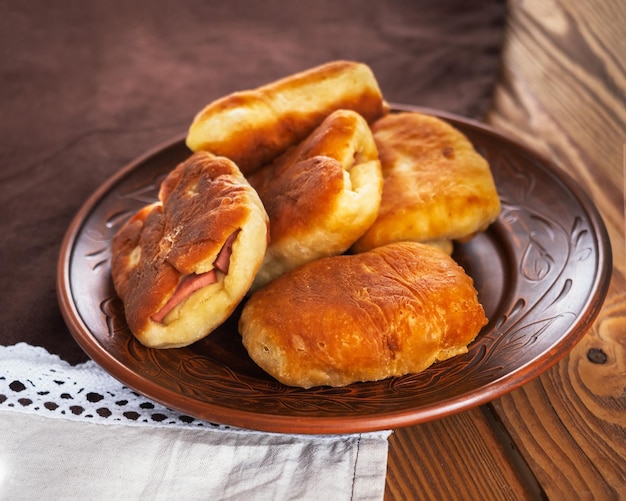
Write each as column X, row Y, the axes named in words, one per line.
column 182, row 264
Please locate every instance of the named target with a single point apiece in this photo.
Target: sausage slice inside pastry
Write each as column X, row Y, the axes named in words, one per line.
column 388, row 312
column 437, row 188
column 182, row 264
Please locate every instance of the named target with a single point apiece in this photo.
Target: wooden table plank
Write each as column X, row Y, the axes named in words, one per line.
column 457, row 457
column 550, row 98
column 563, row 435
column 563, row 93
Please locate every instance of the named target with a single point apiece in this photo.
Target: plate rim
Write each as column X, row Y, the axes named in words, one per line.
column 338, row 424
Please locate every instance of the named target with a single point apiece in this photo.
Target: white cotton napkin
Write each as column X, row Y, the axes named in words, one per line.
column 56, row 443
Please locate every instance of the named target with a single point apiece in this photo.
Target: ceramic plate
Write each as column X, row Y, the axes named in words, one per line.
column 542, row 271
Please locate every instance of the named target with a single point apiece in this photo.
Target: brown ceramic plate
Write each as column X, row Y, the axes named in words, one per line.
column 542, row 271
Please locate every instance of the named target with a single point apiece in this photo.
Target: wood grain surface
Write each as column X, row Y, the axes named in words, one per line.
column 562, row 92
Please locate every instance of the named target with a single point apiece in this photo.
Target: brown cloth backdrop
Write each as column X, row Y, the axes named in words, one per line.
column 87, row 86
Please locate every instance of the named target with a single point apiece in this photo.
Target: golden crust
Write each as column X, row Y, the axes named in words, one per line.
column 321, row 195
column 253, row 127
column 391, row 311
column 436, row 186
column 202, row 202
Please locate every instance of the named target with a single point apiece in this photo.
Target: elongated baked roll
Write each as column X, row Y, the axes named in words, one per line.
column 437, row 188
column 391, row 311
column 321, row 195
column 182, row 264
column 252, row 127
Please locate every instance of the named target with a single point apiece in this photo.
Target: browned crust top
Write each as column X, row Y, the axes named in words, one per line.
column 300, row 189
column 364, row 311
column 274, row 115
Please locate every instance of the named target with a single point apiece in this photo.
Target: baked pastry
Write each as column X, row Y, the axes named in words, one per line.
column 388, row 312
column 437, row 188
column 252, row 127
column 321, row 195
column 181, row 265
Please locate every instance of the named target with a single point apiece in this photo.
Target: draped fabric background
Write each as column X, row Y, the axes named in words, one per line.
column 85, row 87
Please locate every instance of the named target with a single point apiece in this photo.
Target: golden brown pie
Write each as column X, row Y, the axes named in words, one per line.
column 388, row 312
column 321, row 195
column 253, row 127
column 437, row 188
column 182, row 264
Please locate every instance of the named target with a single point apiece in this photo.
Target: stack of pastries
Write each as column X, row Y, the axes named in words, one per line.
column 329, row 217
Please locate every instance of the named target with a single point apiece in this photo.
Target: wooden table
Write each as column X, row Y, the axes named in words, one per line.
column 563, row 435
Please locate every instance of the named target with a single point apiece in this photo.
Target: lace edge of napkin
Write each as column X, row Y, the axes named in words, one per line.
column 34, row 381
